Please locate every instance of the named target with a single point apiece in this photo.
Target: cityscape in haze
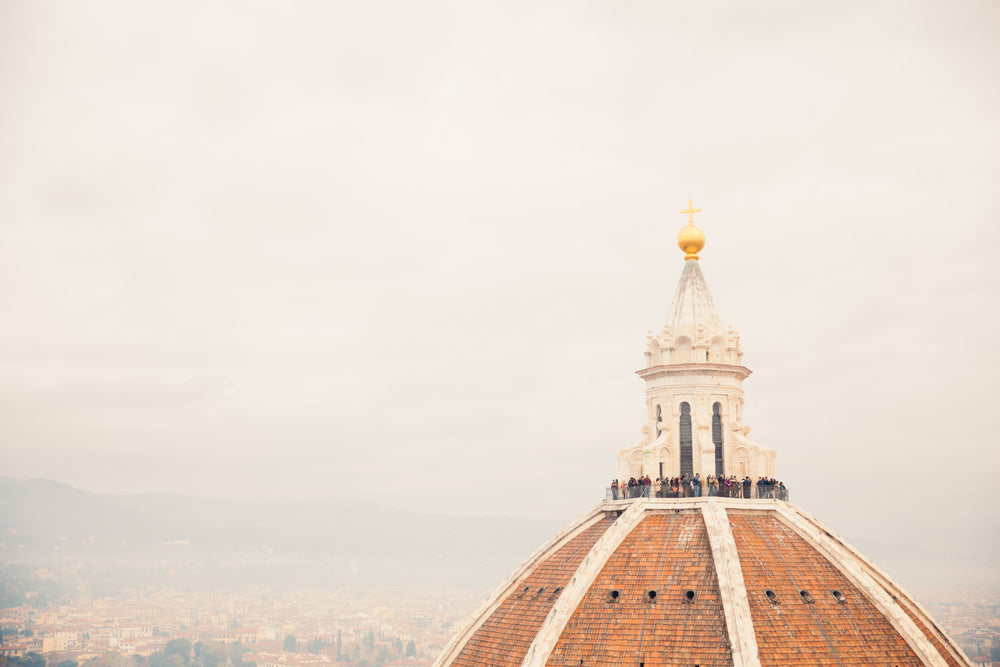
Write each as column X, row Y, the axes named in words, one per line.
column 308, row 627
column 287, row 628
column 318, row 321
column 110, row 581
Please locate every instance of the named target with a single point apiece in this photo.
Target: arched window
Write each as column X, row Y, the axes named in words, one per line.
column 717, row 438
column 635, row 464
column 659, row 420
column 687, row 462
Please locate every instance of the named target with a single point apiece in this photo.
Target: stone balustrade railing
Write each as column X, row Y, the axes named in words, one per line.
column 752, row 491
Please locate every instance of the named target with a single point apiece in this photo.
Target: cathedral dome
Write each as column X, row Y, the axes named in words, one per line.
column 714, row 580
column 699, row 581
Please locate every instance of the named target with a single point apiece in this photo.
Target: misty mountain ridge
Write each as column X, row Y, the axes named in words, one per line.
column 189, row 542
column 188, row 539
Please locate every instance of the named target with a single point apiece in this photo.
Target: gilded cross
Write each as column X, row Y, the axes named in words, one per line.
column 690, row 210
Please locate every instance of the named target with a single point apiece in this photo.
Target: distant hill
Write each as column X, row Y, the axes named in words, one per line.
column 57, row 538
column 183, row 541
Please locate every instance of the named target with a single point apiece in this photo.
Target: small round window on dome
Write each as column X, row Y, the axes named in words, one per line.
column 689, row 596
column 650, row 596
column 839, row 597
column 806, row 597
column 771, row 596
column 614, row 595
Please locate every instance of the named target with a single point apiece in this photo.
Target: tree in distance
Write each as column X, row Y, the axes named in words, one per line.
column 182, row 654
column 211, row 654
column 181, row 647
column 30, row 659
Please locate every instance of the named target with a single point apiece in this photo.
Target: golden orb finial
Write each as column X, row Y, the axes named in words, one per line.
column 691, row 239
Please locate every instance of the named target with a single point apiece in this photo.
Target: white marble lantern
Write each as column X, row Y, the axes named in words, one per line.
column 694, row 388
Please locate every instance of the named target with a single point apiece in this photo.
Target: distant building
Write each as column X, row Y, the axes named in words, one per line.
column 13, row 650
column 133, row 631
column 289, row 660
column 244, row 635
column 59, row 642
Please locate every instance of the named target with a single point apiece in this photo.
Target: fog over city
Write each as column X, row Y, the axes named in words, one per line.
column 366, row 284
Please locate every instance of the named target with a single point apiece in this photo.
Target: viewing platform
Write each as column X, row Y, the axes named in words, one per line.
column 751, row 491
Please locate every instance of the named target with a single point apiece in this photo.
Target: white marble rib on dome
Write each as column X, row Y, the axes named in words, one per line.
column 932, row 647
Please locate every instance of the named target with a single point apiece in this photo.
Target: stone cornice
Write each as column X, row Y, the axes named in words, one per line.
column 666, row 370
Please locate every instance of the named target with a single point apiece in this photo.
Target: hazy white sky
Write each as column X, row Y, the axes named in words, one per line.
column 410, row 251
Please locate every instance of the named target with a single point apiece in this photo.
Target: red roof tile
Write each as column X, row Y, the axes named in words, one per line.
column 668, row 554
column 791, row 631
column 504, row 638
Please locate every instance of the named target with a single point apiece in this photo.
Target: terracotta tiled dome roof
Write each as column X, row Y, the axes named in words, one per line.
column 699, row 581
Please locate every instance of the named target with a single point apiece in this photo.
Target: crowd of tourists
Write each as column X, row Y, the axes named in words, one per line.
column 694, row 486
